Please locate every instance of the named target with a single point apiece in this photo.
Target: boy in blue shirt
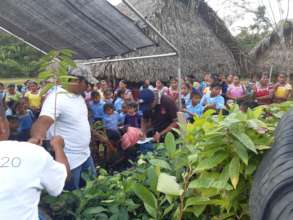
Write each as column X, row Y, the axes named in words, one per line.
column 214, row 100
column 25, row 118
column 111, row 119
column 194, row 107
column 119, row 100
column 96, row 106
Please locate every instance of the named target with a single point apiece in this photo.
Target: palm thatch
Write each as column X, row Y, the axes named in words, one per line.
column 202, row 38
column 276, row 50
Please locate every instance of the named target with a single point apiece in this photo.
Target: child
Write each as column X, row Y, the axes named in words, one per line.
column 205, row 83
column 96, row 106
column 214, row 100
column 185, row 95
column 282, row 89
column 88, row 93
column 34, row 98
column 25, row 118
column 10, row 108
column 12, row 94
column 108, row 96
column 236, row 92
column 13, row 126
column 119, row 100
column 194, row 108
column 123, row 112
column 132, row 118
column 111, row 119
column 229, row 79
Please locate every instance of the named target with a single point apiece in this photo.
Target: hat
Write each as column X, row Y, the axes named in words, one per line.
column 83, row 71
column 146, row 97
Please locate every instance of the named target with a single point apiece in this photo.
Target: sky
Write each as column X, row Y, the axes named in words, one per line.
column 236, row 17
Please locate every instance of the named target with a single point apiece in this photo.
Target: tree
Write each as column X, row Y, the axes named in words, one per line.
column 16, row 58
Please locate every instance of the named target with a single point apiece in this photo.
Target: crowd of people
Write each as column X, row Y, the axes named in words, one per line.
column 118, row 107
column 64, row 121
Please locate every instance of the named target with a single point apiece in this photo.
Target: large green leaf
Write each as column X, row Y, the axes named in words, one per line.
column 212, row 162
column 234, row 171
column 167, row 184
column 160, row 163
column 241, row 152
column 147, row 197
column 170, row 144
column 152, row 177
column 209, row 183
column 202, row 201
column 245, row 140
column 94, row 210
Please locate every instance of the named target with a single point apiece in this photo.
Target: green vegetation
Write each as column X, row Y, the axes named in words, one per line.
column 17, row 59
column 205, row 174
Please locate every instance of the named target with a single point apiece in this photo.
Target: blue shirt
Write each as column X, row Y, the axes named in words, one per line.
column 97, row 109
column 26, row 121
column 133, row 121
column 218, row 101
column 187, row 99
column 118, row 104
column 197, row 109
column 111, row 121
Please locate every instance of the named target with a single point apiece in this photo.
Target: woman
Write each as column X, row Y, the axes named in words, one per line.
column 123, row 86
column 172, row 92
column 263, row 91
column 236, row 91
column 282, row 89
column 160, row 87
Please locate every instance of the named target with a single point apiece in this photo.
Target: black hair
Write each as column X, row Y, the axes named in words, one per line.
column 95, row 94
column 120, row 92
column 132, row 105
column 216, row 85
column 107, row 92
column 33, row 82
column 107, row 106
column 282, row 73
column 245, row 104
column 11, row 86
column 1, row 84
column 123, row 81
column 12, row 118
column 195, row 94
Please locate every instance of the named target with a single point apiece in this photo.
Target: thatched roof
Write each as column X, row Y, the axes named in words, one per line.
column 202, row 38
column 275, row 50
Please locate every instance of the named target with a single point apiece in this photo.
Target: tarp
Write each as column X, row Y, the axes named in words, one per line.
column 91, row 28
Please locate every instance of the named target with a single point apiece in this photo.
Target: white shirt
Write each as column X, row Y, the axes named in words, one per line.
column 71, row 123
column 26, row 170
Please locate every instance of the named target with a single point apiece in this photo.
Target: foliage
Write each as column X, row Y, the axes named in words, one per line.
column 16, row 58
column 55, row 66
column 247, row 39
column 206, row 174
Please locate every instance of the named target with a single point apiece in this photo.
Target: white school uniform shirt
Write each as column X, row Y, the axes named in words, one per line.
column 25, row 170
column 71, row 123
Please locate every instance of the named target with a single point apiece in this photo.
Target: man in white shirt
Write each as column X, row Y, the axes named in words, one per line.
column 27, row 169
column 65, row 113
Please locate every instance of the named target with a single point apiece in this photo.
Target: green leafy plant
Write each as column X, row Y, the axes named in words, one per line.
column 55, row 66
column 205, row 174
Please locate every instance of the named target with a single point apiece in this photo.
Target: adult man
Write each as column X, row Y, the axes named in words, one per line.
column 65, row 113
column 159, row 113
column 27, row 169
